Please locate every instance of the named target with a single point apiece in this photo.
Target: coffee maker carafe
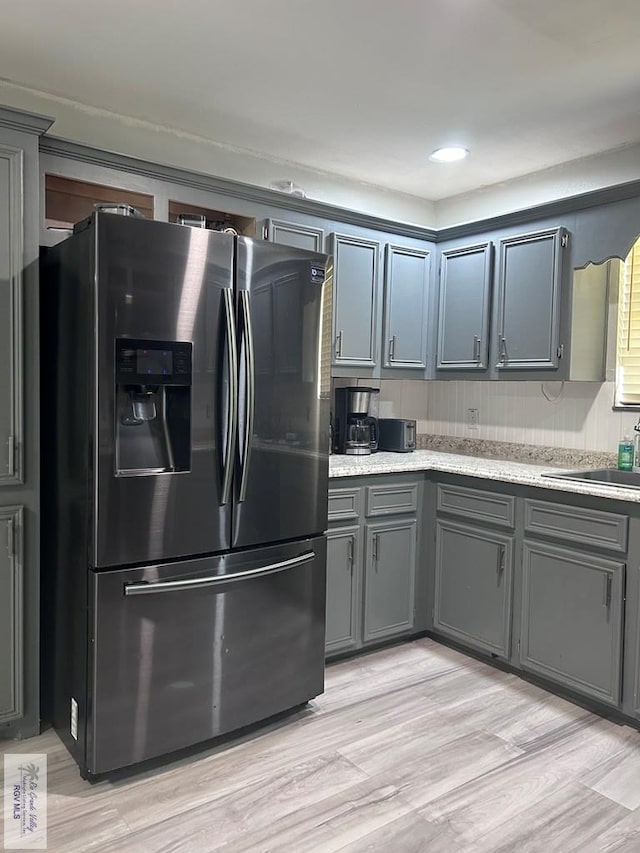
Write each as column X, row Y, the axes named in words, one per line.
column 356, row 432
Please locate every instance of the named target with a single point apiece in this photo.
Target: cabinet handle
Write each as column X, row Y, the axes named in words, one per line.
column 392, row 348
column 374, row 549
column 350, row 555
column 607, row 591
column 11, row 544
column 339, row 344
column 11, row 451
column 476, row 349
column 501, row 558
column 503, row 350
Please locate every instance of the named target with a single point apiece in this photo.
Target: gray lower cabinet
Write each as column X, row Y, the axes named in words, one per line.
column 11, row 614
column 355, row 294
column 371, row 560
column 473, row 581
column 528, row 301
column 406, row 290
column 463, row 308
column 572, row 615
column 343, row 588
column 389, row 578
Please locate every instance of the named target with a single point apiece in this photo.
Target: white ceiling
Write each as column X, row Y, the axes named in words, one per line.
column 360, row 88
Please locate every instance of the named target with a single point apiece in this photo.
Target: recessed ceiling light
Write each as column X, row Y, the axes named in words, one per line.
column 451, row 154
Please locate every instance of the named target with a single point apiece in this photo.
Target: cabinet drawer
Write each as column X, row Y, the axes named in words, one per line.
column 344, row 504
column 391, row 499
column 577, row 524
column 477, row 505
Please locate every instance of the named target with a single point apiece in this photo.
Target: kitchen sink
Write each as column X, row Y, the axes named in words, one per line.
column 611, row 476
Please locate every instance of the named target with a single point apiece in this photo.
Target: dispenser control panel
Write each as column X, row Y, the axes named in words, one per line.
column 143, row 362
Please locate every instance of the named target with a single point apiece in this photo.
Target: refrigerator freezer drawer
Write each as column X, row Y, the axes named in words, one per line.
column 184, row 652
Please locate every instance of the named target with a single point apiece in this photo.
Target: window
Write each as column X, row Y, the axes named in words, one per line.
column 628, row 341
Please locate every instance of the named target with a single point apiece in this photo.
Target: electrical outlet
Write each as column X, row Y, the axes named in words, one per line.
column 473, row 418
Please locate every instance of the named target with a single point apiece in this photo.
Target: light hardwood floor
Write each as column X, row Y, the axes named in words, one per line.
column 414, row 748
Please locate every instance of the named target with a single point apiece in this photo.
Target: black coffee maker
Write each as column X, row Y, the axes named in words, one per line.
column 356, row 432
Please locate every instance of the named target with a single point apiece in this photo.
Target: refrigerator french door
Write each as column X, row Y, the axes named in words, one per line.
column 162, row 292
column 283, row 436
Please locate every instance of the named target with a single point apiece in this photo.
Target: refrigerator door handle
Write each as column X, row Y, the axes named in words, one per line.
column 249, row 357
column 232, row 408
column 145, row 588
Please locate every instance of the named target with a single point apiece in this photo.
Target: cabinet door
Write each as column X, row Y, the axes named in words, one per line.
column 390, row 570
column 529, row 300
column 11, row 627
column 343, row 569
column 474, row 569
column 355, row 283
column 572, row 619
column 406, row 289
column 11, row 262
column 294, row 234
column 463, row 316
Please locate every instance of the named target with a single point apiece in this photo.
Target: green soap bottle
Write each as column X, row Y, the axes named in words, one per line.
column 625, row 454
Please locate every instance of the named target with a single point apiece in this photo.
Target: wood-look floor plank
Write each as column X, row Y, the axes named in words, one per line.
column 567, row 820
column 502, row 795
column 622, row 837
column 221, row 819
column 619, row 777
column 408, row 834
column 434, row 772
column 330, row 823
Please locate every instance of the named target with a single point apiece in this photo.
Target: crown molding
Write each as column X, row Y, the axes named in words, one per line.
column 27, row 122
column 232, row 189
column 271, row 198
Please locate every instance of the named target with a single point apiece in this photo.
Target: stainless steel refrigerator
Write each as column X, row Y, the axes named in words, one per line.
column 185, row 462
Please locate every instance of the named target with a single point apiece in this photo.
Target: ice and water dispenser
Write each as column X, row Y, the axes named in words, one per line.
column 153, row 407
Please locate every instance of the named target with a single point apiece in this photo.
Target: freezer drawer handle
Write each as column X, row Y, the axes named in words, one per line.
column 198, row 583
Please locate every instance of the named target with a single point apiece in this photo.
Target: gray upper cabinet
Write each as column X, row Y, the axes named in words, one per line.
column 11, row 313
column 11, row 614
column 473, row 580
column 294, row 234
column 528, row 301
column 464, row 304
column 390, row 572
column 572, row 605
column 406, row 288
column 355, row 283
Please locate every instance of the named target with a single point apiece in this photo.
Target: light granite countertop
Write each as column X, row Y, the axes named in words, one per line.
column 474, row 466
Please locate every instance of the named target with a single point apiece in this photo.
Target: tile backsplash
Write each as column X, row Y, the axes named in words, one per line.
column 577, row 415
